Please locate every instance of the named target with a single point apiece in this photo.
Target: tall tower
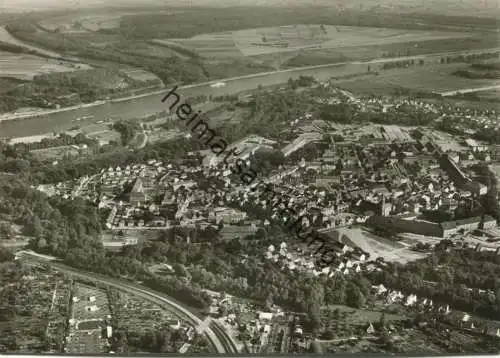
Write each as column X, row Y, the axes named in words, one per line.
column 385, row 208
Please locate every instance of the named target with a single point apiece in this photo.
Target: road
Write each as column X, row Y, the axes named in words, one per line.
column 469, row 90
column 220, row 339
column 143, row 137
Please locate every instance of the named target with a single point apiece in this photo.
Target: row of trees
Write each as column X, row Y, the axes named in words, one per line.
column 490, row 75
column 401, row 64
column 469, row 58
column 61, row 140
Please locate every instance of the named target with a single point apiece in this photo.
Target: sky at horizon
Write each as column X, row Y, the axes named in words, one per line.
column 454, row 7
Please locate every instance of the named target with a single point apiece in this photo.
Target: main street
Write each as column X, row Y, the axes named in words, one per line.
column 218, row 337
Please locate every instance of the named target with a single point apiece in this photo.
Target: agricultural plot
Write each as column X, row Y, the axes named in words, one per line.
column 29, row 304
column 427, row 78
column 353, row 316
column 148, row 50
column 212, row 45
column 96, row 23
column 96, row 39
column 25, row 67
column 140, row 75
column 262, row 41
column 289, row 38
column 90, row 315
column 492, row 95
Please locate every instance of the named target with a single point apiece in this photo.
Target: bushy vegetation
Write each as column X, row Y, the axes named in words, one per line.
column 450, row 277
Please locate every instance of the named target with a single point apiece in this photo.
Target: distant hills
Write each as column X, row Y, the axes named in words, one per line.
column 446, row 7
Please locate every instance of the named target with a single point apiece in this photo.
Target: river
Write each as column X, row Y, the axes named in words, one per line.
column 150, row 104
column 139, row 107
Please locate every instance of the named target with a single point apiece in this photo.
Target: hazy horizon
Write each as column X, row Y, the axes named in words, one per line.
column 452, row 7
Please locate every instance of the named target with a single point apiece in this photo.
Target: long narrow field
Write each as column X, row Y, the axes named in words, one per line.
column 430, row 78
column 8, row 38
column 25, row 67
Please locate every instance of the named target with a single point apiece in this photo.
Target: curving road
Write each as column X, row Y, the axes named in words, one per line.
column 219, row 338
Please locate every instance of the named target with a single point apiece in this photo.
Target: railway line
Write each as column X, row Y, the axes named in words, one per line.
column 228, row 343
column 220, row 340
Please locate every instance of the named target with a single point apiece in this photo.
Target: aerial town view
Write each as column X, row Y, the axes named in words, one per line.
column 203, row 177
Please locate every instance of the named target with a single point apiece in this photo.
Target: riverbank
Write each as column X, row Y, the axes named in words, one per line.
column 11, row 116
column 150, row 103
column 26, row 115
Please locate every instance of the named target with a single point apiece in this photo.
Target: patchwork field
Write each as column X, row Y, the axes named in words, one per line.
column 261, row 41
column 25, row 67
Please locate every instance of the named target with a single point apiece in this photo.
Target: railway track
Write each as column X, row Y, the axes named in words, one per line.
column 228, row 343
column 214, row 333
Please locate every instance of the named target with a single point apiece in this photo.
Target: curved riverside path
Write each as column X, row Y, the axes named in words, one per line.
column 150, row 103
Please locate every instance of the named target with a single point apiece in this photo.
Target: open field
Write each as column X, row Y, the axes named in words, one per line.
column 99, row 40
column 105, row 136
column 139, row 75
column 492, row 95
column 305, row 36
column 8, row 38
column 425, row 78
column 163, row 136
column 261, row 41
column 363, row 316
column 219, row 45
column 145, row 49
column 311, row 57
column 379, row 247
column 25, row 67
column 55, row 152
